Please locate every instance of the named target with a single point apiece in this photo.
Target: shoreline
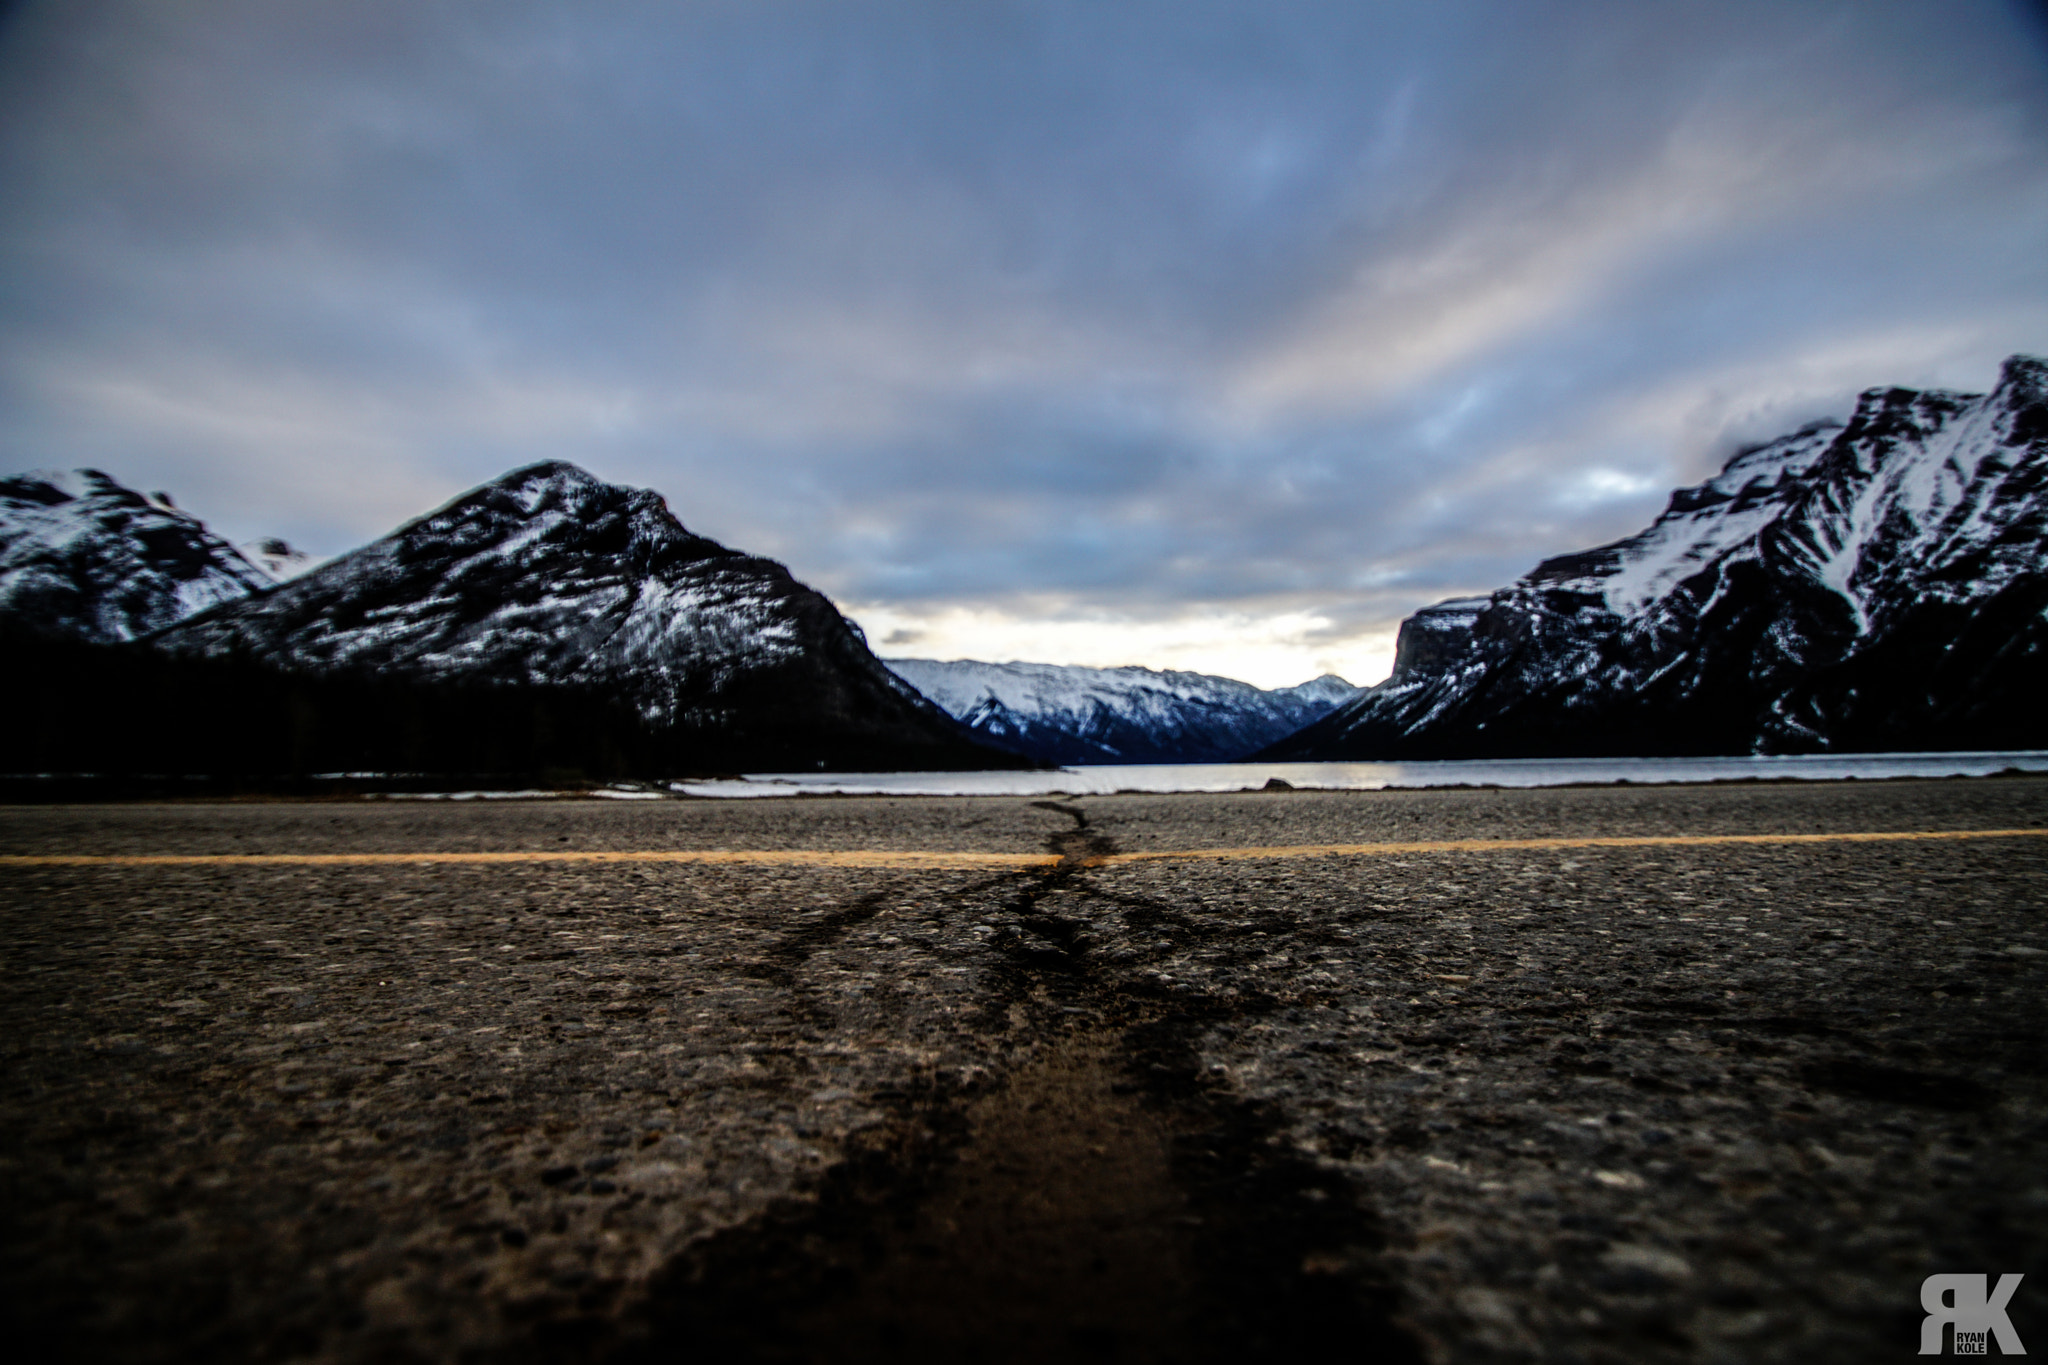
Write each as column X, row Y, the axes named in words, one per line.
column 48, row 788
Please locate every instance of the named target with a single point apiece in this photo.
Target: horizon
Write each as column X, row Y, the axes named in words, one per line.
column 1217, row 338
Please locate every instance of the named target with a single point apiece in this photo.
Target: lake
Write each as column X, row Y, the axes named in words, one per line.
column 1506, row 772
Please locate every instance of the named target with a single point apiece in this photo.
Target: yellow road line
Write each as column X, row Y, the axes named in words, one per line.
column 969, row 860
column 773, row 856
column 1509, row 845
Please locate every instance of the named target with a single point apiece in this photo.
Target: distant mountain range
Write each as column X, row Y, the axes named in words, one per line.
column 544, row 619
column 1880, row 584
column 1062, row 714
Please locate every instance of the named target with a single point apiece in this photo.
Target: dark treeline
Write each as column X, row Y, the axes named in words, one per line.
column 137, row 719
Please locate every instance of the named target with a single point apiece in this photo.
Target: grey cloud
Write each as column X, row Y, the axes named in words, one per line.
column 1335, row 306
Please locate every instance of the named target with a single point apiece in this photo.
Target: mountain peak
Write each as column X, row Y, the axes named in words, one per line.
column 2023, row 380
column 561, row 494
column 559, row 474
column 53, row 486
column 546, row 469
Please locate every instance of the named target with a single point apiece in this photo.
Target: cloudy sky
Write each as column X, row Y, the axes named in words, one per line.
column 1195, row 334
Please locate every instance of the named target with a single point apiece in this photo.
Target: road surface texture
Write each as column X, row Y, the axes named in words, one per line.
column 1533, row 1100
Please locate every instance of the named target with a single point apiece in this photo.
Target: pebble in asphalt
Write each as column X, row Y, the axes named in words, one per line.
column 1668, row 1103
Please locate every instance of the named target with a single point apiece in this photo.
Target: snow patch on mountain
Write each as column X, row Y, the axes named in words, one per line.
column 1705, row 522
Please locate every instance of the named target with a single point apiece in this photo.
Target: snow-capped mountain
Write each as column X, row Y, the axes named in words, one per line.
column 82, row 556
column 550, row 577
column 1879, row 584
column 1061, row 714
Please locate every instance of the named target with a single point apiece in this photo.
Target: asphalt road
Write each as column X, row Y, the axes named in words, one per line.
column 1655, row 1102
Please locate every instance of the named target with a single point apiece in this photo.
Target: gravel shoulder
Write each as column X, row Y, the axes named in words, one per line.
column 1674, row 1103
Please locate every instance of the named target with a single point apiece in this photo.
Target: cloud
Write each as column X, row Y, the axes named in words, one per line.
column 1269, row 645
column 1221, row 330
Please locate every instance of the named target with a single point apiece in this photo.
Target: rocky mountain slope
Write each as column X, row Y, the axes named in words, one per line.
column 1061, row 714
column 1875, row 585
column 85, row 558
column 551, row 578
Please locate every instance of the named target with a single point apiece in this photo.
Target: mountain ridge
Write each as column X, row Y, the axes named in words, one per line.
column 1061, row 713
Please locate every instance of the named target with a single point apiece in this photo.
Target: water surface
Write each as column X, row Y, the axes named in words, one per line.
column 1093, row 779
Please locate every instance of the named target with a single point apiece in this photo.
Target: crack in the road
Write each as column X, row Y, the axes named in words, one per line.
column 1041, row 938
column 1104, row 1199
